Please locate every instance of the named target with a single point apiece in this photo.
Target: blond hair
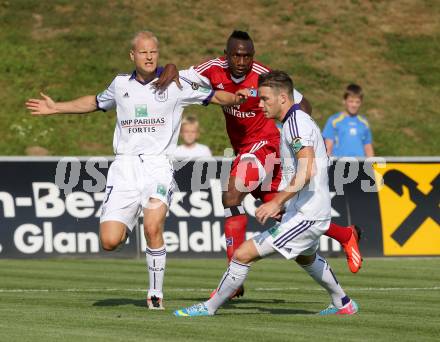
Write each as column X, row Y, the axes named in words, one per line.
column 143, row 35
column 190, row 120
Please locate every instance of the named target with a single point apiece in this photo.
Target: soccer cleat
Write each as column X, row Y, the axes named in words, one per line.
column 193, row 311
column 238, row 293
column 348, row 309
column 155, row 303
column 351, row 248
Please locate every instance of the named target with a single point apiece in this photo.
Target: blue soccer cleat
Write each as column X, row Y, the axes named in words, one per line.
column 349, row 309
column 193, row 311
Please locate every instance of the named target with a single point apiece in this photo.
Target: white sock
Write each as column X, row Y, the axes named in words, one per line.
column 156, row 259
column 321, row 271
column 231, row 281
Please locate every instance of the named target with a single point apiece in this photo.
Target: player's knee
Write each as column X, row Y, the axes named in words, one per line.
column 111, row 235
column 242, row 255
column 305, row 260
column 231, row 199
column 153, row 231
column 110, row 242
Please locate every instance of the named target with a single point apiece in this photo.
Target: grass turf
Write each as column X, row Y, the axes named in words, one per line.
column 97, row 300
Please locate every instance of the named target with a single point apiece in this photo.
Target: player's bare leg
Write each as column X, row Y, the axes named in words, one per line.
column 112, row 234
column 154, row 219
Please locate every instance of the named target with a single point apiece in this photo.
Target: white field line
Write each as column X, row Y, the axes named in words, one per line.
column 262, row 289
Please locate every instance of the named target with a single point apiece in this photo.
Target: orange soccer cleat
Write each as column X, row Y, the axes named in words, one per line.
column 351, row 248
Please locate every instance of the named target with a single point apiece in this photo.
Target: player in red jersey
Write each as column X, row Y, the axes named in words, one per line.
column 255, row 141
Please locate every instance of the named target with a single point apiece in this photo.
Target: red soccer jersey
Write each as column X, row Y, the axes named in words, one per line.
column 245, row 123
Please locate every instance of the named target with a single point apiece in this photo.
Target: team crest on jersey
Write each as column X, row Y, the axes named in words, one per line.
column 161, row 96
column 196, row 86
column 296, row 145
column 161, row 189
column 140, row 110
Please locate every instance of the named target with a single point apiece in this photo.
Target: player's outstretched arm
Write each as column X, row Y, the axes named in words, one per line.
column 224, row 98
column 46, row 106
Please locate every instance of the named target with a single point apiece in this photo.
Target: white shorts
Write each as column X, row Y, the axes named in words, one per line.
column 291, row 237
column 131, row 182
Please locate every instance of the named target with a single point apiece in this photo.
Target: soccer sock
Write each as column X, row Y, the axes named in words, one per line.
column 321, row 271
column 235, row 229
column 156, row 259
column 339, row 233
column 231, row 281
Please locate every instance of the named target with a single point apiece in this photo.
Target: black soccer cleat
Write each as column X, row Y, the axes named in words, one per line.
column 155, row 303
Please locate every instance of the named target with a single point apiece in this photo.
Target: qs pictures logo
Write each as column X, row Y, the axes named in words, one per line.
column 410, row 208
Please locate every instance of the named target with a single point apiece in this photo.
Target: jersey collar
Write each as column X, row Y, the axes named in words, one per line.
column 159, row 71
column 291, row 110
column 238, row 80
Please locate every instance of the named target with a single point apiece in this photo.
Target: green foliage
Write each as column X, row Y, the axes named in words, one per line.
column 418, row 56
column 73, row 48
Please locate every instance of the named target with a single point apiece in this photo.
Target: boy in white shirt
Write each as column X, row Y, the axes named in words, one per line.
column 190, row 133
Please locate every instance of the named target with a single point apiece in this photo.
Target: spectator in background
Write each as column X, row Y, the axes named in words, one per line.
column 347, row 133
column 189, row 134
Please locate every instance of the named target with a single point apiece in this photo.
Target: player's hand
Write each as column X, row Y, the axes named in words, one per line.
column 241, row 95
column 44, row 106
column 168, row 75
column 271, row 209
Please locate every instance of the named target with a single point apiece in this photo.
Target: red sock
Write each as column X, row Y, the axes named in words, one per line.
column 235, row 233
column 339, row 233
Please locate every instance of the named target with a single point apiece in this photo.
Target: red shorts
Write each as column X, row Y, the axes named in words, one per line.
column 267, row 152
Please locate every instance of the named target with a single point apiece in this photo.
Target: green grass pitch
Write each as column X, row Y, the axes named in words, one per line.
column 104, row 300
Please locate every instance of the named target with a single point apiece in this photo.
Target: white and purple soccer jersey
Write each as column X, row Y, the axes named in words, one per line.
column 299, row 130
column 146, row 133
column 307, row 214
column 148, row 122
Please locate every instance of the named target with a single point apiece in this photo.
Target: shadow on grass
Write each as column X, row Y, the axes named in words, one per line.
column 249, row 304
column 253, row 310
column 271, row 311
column 120, row 302
column 240, row 301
